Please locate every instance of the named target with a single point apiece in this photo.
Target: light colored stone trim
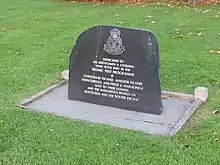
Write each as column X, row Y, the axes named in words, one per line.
column 186, row 116
column 40, row 94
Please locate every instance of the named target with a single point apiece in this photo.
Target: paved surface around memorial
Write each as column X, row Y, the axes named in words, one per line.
column 57, row 102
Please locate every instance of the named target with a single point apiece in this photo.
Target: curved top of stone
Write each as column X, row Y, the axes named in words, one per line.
column 146, row 39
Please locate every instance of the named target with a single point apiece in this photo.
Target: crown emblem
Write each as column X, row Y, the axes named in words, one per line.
column 115, row 32
column 114, row 45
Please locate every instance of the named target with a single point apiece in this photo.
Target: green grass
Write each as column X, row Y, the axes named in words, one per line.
column 43, row 29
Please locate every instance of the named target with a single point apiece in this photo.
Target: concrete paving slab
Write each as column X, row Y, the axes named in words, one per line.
column 55, row 100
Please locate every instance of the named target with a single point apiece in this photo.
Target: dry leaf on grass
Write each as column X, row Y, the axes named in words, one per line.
column 169, row 5
column 185, row 137
column 212, row 52
column 216, row 133
column 196, row 10
column 190, row 33
column 215, row 112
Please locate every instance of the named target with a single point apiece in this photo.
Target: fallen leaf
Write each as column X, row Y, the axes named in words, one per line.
column 215, row 112
column 120, row 22
column 65, row 51
column 190, row 33
column 95, row 5
column 196, row 10
column 185, row 137
column 81, row 150
column 179, row 36
column 205, row 11
column 170, row 6
column 19, row 53
column 212, row 52
column 199, row 34
column 216, row 133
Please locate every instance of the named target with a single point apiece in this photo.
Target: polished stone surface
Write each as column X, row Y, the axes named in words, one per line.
column 117, row 67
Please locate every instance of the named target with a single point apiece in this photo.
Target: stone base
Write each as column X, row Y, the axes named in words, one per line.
column 177, row 109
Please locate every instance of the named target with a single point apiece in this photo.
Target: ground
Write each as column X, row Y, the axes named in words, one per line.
column 36, row 38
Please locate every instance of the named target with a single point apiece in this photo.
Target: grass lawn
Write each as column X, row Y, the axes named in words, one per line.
column 43, row 29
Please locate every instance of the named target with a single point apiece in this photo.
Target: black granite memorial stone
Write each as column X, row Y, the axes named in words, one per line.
column 117, row 67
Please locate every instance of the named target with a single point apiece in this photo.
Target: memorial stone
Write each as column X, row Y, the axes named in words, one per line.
column 117, row 67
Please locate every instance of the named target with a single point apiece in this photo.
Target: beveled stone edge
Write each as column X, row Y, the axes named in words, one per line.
column 29, row 100
column 189, row 112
